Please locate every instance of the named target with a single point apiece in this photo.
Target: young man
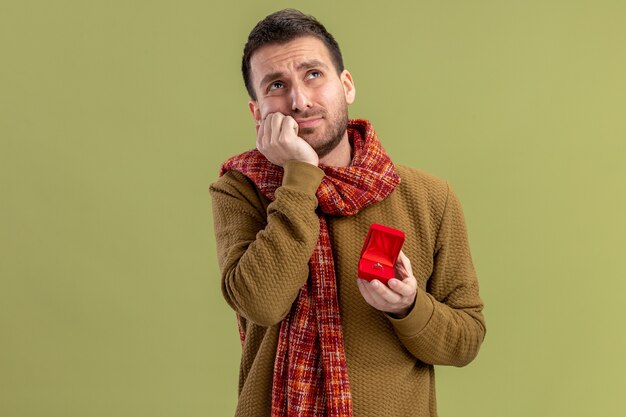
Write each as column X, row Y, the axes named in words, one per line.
column 290, row 219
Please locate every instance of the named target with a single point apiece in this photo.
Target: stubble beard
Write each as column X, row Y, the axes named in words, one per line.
column 338, row 124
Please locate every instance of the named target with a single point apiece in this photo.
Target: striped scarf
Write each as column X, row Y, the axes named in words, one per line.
column 310, row 372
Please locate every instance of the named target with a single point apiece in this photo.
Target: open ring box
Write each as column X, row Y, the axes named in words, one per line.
column 380, row 252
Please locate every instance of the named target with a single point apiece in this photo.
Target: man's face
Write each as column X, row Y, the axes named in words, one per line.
column 299, row 80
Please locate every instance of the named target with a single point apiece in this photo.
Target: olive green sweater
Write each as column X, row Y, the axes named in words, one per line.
column 263, row 251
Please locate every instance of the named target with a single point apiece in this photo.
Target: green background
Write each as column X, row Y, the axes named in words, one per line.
column 115, row 116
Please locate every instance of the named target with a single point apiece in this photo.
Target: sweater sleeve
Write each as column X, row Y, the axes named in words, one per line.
column 263, row 255
column 446, row 325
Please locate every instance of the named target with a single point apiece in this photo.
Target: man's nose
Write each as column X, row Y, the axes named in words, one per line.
column 300, row 100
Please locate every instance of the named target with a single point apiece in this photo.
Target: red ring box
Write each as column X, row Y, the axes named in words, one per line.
column 380, row 252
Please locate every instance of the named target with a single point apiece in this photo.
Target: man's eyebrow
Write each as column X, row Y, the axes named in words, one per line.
column 312, row 63
column 269, row 77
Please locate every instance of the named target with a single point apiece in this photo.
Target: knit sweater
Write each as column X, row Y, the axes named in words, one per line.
column 263, row 252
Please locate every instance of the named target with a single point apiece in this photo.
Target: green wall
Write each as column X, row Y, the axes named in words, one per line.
column 115, row 116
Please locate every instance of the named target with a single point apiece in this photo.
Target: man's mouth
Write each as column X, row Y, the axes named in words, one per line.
column 308, row 122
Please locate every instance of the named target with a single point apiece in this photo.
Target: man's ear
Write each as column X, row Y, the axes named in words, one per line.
column 349, row 88
column 256, row 112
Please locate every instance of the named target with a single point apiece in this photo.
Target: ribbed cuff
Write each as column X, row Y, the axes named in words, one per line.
column 417, row 318
column 302, row 176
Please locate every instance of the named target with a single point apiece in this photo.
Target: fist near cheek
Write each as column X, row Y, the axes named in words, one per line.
column 277, row 139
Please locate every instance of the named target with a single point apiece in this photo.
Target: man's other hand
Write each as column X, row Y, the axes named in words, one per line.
column 398, row 298
column 277, row 139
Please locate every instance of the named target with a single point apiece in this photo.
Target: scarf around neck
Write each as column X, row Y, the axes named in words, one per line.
column 310, row 372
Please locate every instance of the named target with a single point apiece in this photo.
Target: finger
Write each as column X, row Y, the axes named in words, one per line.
column 276, row 123
column 266, row 129
column 382, row 294
column 403, row 265
column 367, row 295
column 406, row 288
column 286, row 125
column 402, row 257
column 260, row 131
column 290, row 123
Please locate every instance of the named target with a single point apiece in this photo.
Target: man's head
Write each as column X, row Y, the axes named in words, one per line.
column 281, row 27
column 289, row 68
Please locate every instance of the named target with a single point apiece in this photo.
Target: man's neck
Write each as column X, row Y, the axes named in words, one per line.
column 341, row 156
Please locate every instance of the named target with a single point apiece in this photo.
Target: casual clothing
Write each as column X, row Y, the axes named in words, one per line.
column 264, row 247
column 310, row 371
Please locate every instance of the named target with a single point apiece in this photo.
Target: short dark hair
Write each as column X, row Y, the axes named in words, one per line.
column 282, row 27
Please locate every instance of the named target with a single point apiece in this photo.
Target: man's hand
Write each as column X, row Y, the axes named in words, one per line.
column 277, row 139
column 398, row 298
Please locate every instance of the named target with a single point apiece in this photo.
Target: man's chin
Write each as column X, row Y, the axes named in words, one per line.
column 306, row 131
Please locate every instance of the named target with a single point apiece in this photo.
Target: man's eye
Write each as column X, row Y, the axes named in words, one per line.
column 314, row 74
column 276, row 85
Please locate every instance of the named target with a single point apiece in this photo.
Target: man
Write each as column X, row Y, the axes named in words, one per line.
column 290, row 219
